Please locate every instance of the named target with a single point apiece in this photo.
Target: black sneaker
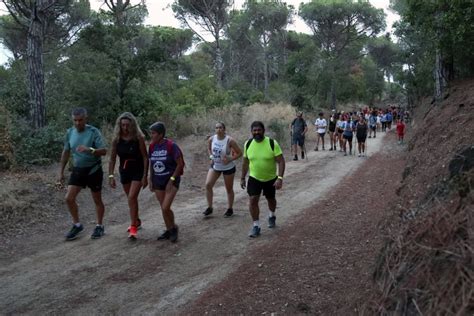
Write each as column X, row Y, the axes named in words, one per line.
column 166, row 235
column 174, row 234
column 302, row 155
column 207, row 212
column 295, row 158
column 272, row 222
column 74, row 232
column 255, row 232
column 229, row 212
column 330, row 149
column 98, row 232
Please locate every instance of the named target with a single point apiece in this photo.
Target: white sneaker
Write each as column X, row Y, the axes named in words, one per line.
column 359, row 155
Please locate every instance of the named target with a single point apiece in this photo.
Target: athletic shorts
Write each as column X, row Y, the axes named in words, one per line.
column 361, row 139
column 132, row 174
column 340, row 131
column 332, row 130
column 255, row 187
column 80, row 177
column 297, row 140
column 162, row 187
column 373, row 127
column 322, row 134
column 225, row 172
column 348, row 137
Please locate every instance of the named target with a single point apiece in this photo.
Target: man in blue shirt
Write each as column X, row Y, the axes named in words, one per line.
column 86, row 144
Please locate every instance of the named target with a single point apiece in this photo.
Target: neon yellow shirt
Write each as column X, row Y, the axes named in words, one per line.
column 262, row 164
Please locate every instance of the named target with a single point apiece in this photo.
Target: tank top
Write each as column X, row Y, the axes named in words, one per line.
column 220, row 148
column 130, row 154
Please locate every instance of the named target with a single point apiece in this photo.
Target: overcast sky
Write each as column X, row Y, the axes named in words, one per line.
column 160, row 13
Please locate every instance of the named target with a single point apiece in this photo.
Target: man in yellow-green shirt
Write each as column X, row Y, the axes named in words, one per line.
column 261, row 156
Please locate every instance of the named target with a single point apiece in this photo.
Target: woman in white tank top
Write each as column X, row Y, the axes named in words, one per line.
column 223, row 151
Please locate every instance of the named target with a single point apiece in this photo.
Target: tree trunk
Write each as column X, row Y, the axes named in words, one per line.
column 440, row 80
column 35, row 68
column 265, row 70
column 219, row 63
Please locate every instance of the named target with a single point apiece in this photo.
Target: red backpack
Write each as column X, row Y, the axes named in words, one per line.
column 169, row 149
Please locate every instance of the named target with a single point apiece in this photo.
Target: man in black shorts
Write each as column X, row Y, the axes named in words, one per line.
column 298, row 131
column 261, row 155
column 86, row 144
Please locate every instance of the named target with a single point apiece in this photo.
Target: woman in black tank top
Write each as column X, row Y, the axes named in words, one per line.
column 129, row 145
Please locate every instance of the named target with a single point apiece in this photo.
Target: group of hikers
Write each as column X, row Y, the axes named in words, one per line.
column 341, row 127
column 161, row 165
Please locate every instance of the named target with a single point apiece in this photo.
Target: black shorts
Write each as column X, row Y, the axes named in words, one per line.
column 297, row 139
column 321, row 134
column 80, row 177
column 361, row 139
column 162, row 187
column 373, row 127
column 225, row 172
column 349, row 138
column 340, row 131
column 131, row 174
column 255, row 187
column 332, row 130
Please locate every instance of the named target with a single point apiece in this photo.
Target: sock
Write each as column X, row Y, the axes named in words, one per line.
column 271, row 214
column 99, row 225
column 256, row 223
column 77, row 224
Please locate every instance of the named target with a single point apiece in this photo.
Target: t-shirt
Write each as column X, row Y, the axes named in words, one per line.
column 372, row 120
column 262, row 164
column 298, row 126
column 321, row 125
column 347, row 127
column 361, row 130
column 163, row 164
column 89, row 137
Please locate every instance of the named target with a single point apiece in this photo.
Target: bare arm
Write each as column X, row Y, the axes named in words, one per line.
column 179, row 166
column 281, row 171
column 141, row 142
column 113, row 158
column 64, row 159
column 209, row 146
column 235, row 147
column 245, row 169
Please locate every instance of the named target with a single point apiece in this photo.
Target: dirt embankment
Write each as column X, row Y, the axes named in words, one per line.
column 426, row 266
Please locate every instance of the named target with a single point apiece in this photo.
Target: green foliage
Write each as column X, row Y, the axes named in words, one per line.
column 39, row 147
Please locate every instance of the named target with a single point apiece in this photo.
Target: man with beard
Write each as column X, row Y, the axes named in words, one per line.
column 261, row 155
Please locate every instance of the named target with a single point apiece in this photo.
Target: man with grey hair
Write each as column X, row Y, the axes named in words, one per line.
column 87, row 146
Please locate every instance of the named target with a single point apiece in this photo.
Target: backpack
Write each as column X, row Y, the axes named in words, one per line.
column 169, row 150
column 272, row 144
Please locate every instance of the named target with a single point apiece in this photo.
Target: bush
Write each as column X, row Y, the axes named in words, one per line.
column 38, row 147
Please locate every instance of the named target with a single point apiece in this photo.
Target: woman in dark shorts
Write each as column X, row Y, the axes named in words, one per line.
column 361, row 134
column 166, row 168
column 223, row 151
column 129, row 145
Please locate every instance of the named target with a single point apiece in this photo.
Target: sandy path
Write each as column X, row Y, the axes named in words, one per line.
column 115, row 276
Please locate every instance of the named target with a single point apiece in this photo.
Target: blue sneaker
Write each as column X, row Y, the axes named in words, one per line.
column 272, row 222
column 74, row 232
column 255, row 232
column 98, row 232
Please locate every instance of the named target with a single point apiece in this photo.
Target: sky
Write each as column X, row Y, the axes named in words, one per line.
column 160, row 13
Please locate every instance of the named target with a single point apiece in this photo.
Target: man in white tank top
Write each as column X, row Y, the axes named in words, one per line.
column 223, row 151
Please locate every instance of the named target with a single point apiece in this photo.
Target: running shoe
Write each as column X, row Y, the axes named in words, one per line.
column 302, row 155
column 359, row 155
column 164, row 236
column 139, row 225
column 74, row 232
column 255, row 232
column 98, row 232
column 295, row 158
column 207, row 212
column 229, row 212
column 330, row 149
column 272, row 222
column 174, row 234
column 132, row 232
column 316, row 149
column 323, row 148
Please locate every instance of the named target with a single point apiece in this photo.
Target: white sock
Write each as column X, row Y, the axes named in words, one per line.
column 271, row 214
column 77, row 224
column 256, row 223
column 99, row 225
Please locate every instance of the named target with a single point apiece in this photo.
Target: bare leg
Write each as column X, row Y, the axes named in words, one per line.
column 133, row 190
column 211, row 179
column 229, row 187
column 72, row 192
column 253, row 206
column 99, row 206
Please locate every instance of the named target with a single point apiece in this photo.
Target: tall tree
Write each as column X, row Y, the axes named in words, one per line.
column 41, row 19
column 337, row 25
column 210, row 16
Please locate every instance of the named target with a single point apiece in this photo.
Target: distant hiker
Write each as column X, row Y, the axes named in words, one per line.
column 389, row 118
column 321, row 125
column 340, row 130
column 361, row 134
column 86, row 144
column 129, row 145
column 373, row 124
column 166, row 168
column 298, row 130
column 348, row 134
column 400, row 131
column 223, row 151
column 261, row 155
column 383, row 120
column 332, row 130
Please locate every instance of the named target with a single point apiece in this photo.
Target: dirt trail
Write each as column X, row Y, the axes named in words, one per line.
column 115, row 276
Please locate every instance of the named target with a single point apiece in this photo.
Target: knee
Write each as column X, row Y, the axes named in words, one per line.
column 132, row 198
column 69, row 199
column 209, row 186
